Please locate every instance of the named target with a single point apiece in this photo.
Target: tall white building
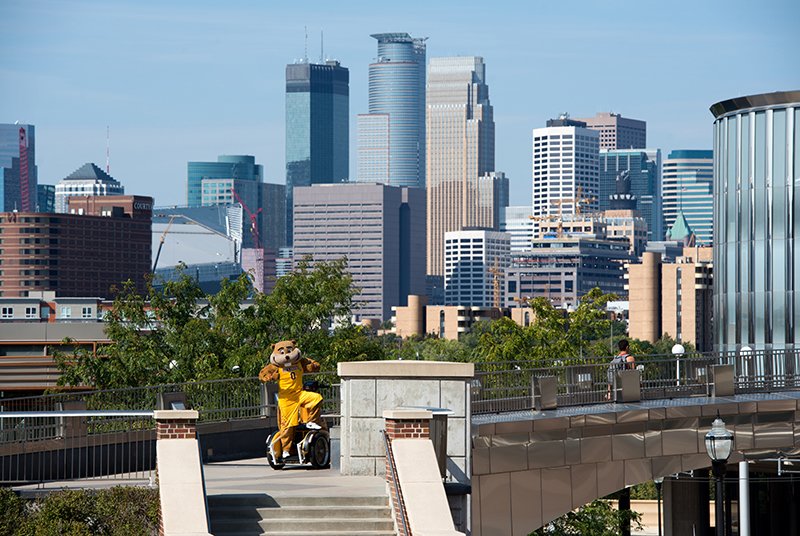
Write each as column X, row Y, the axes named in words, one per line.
column 565, row 169
column 688, row 187
column 86, row 180
column 516, row 221
column 475, row 265
column 462, row 191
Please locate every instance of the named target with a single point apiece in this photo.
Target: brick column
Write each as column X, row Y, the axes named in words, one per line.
column 403, row 424
column 175, row 424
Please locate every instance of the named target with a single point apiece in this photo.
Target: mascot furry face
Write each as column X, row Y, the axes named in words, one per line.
column 285, row 354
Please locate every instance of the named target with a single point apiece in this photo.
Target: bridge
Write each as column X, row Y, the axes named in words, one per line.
column 532, row 442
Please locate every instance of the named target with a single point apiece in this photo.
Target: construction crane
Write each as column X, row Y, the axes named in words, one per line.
column 579, row 200
column 161, row 242
column 253, row 219
column 496, row 272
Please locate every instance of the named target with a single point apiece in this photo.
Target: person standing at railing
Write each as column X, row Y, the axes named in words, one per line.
column 622, row 361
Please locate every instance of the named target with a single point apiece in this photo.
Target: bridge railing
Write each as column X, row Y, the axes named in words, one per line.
column 506, row 385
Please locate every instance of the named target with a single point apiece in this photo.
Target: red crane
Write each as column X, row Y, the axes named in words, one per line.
column 253, row 218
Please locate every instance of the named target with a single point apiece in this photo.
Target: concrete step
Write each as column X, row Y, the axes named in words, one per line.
column 293, row 526
column 300, row 512
column 315, row 533
column 267, row 501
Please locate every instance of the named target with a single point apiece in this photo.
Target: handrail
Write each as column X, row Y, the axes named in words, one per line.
column 401, row 505
column 73, row 413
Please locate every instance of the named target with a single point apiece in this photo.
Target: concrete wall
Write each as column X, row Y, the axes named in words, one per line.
column 369, row 388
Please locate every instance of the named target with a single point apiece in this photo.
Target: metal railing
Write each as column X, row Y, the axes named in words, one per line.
column 111, row 433
column 506, row 386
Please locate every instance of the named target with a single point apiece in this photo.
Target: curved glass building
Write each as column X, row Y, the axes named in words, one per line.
column 391, row 137
column 757, row 221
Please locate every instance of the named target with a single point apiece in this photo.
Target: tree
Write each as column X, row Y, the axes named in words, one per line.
column 597, row 518
column 177, row 333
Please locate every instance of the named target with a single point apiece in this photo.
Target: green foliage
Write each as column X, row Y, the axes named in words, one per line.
column 597, row 518
column 116, row 511
column 177, row 333
column 644, row 491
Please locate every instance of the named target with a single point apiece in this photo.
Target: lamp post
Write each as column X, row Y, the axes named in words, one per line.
column 658, row 481
column 678, row 350
column 719, row 443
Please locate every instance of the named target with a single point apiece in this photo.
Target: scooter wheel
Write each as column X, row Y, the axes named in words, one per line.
column 278, row 464
column 320, row 452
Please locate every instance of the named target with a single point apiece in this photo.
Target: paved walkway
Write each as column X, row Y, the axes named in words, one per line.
column 256, row 476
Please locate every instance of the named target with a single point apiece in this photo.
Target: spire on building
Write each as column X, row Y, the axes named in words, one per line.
column 681, row 231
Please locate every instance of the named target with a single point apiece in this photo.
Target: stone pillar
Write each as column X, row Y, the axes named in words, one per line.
column 372, row 387
column 179, row 473
column 686, row 508
column 403, row 424
column 176, row 424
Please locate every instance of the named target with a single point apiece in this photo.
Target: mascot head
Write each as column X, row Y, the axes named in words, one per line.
column 284, row 354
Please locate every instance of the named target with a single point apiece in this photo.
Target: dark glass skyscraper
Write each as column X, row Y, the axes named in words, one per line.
column 17, row 167
column 644, row 169
column 317, row 129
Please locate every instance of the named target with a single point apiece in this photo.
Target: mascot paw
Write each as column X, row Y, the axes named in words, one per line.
column 286, row 455
column 313, row 426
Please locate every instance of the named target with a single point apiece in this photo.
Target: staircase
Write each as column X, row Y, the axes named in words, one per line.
column 257, row 514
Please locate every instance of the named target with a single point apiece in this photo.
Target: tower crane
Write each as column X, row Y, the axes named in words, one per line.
column 253, row 218
column 496, row 272
column 161, row 242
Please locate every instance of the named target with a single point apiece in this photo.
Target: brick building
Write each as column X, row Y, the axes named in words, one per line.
column 101, row 242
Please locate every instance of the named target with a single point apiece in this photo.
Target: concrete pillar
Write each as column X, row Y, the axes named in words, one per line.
column 644, row 295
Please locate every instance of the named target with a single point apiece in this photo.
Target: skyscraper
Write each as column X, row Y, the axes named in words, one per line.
column 463, row 190
column 391, row 137
column 617, row 132
column 86, row 180
column 565, row 169
column 757, row 224
column 317, row 127
column 476, row 260
column 380, row 229
column 688, row 187
column 17, row 167
column 643, row 167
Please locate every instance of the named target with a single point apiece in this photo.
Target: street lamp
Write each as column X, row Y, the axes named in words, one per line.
column 719, row 443
column 678, row 350
column 658, row 481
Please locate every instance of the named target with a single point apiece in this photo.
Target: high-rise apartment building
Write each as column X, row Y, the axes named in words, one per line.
column 463, row 191
column 238, row 179
column 688, row 187
column 391, row 137
column 643, row 169
column 565, row 169
column 317, row 127
column 475, row 264
column 87, row 180
column 17, row 167
column 617, row 132
column 757, row 222
column 379, row 229
column 101, row 242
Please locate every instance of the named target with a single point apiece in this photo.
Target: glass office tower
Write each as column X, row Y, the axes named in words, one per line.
column 687, row 187
column 242, row 167
column 391, row 139
column 317, row 128
column 644, row 168
column 17, row 167
column 757, row 221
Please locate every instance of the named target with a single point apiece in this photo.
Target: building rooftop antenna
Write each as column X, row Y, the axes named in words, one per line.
column 321, row 46
column 305, row 47
column 108, row 151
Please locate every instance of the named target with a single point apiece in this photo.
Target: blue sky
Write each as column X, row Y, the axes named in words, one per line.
column 179, row 81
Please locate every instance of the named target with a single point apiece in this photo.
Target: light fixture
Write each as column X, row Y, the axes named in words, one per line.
column 719, row 443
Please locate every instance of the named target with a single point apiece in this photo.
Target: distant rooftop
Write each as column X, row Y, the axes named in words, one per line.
column 89, row 172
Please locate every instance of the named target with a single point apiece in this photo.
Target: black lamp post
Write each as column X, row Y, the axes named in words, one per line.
column 719, row 443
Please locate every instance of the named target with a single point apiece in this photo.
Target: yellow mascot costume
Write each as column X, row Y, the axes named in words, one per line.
column 287, row 366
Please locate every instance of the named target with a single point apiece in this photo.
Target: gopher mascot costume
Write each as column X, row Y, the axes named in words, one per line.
column 287, row 366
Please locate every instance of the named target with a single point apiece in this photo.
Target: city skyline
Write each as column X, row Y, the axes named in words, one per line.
column 169, row 81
